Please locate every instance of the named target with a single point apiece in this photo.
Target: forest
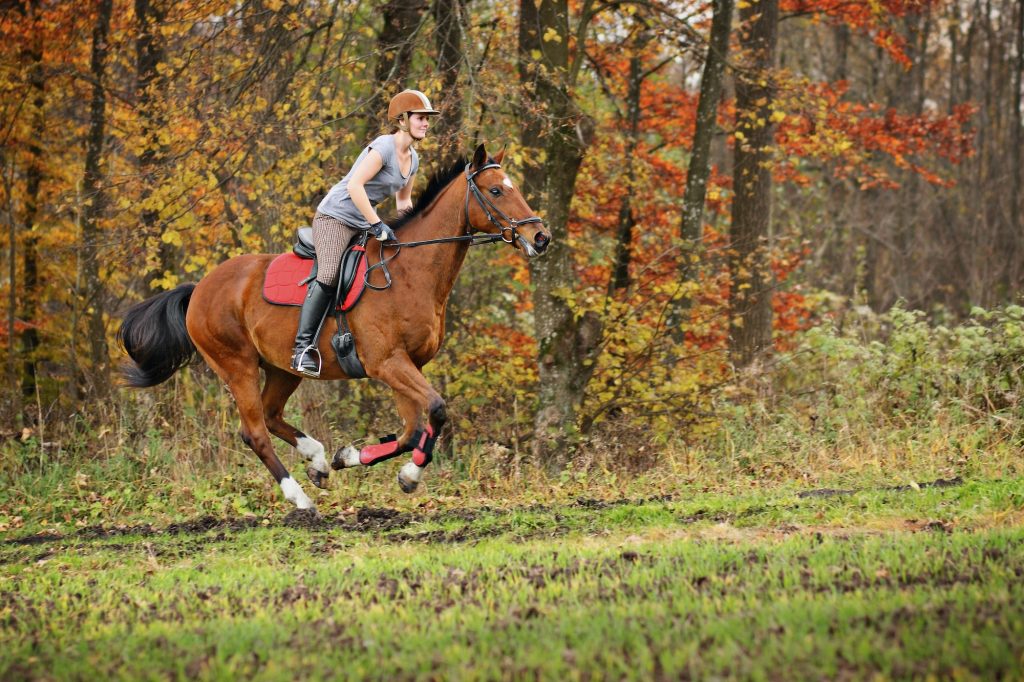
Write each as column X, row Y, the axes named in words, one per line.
column 718, row 180
column 757, row 411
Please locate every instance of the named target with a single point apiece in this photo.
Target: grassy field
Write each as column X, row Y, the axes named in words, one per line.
column 649, row 582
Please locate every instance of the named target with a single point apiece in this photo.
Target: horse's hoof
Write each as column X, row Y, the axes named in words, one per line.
column 409, row 477
column 345, row 457
column 407, row 486
column 318, row 478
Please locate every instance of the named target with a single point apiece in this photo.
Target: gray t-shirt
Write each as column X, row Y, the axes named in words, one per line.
column 338, row 204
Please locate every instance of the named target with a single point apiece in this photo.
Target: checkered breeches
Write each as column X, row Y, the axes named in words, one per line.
column 331, row 237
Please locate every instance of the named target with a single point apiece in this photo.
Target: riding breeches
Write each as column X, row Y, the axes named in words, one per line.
column 331, row 237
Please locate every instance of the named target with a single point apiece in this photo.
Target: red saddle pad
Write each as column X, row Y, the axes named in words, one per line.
column 281, row 285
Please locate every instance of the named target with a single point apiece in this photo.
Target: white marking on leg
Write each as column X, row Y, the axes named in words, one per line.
column 293, row 493
column 350, row 457
column 313, row 451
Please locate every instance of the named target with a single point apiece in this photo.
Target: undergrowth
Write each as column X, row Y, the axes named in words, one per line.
column 876, row 399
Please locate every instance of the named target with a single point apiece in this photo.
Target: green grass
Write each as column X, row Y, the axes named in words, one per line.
column 659, row 582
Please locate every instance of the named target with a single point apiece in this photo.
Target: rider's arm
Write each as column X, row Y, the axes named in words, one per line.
column 363, row 173
column 403, row 198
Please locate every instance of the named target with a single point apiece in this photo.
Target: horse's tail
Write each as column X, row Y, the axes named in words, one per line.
column 153, row 334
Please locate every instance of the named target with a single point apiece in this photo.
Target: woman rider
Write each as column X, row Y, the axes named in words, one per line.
column 386, row 166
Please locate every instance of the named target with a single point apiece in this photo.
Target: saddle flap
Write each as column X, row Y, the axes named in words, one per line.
column 353, row 276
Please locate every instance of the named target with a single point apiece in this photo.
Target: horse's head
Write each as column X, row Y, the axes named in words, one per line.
column 494, row 205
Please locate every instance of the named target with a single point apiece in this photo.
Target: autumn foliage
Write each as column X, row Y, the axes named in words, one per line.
column 225, row 123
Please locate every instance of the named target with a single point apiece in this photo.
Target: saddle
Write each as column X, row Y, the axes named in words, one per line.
column 290, row 274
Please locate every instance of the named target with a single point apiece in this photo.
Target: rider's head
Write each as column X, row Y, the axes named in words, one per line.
column 410, row 110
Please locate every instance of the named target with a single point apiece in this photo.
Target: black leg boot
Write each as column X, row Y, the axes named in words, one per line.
column 305, row 356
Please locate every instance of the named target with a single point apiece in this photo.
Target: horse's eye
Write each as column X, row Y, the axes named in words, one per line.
column 496, row 191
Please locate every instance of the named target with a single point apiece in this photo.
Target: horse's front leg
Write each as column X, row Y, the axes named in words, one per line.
column 423, row 439
column 413, row 395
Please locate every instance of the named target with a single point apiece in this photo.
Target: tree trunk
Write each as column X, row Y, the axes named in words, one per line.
column 707, row 122
column 93, row 199
column 627, row 219
column 1017, row 147
column 149, row 53
column 448, row 17
column 31, row 290
column 566, row 344
column 750, row 299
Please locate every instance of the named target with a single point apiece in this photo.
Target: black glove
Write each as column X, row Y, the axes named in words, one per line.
column 382, row 232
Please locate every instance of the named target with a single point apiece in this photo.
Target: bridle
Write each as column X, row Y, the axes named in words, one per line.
column 508, row 231
column 512, row 228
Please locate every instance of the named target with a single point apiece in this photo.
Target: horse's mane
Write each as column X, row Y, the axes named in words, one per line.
column 438, row 181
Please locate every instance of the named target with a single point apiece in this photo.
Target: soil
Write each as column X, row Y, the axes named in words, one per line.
column 383, row 520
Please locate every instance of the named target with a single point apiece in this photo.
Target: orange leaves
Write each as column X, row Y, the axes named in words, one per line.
column 855, row 138
column 872, row 17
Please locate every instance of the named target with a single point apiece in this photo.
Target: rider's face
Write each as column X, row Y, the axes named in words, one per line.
column 418, row 125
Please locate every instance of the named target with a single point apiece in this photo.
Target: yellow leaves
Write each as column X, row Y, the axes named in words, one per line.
column 551, row 35
column 172, row 237
column 778, row 116
column 168, row 281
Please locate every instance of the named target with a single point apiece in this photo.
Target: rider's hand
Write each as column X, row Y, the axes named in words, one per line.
column 382, row 232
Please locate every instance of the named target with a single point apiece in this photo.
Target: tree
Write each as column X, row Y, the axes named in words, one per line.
column 556, row 133
column 750, row 311
column 92, row 294
column 711, row 81
column 149, row 53
column 449, row 20
column 30, row 289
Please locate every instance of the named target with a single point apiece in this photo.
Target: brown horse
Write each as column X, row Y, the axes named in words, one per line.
column 397, row 329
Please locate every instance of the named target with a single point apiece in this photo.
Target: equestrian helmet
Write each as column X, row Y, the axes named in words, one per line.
column 412, row 102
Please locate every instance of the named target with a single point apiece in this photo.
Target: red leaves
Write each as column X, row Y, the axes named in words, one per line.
column 871, row 17
column 856, row 138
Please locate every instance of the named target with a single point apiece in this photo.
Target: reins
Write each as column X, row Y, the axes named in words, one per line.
column 512, row 228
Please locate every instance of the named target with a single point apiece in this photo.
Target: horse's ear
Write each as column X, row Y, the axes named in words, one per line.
column 499, row 156
column 479, row 157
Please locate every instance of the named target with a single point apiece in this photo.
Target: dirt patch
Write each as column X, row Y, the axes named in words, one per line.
column 369, row 519
column 384, row 520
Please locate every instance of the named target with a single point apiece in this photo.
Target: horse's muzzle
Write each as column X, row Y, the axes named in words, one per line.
column 540, row 243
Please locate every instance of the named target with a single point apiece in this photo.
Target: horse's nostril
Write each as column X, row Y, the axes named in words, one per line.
column 541, row 241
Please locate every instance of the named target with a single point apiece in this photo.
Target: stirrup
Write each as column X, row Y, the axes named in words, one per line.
column 302, row 355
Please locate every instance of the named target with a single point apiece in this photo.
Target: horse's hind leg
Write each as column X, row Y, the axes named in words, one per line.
column 279, row 387
column 242, row 377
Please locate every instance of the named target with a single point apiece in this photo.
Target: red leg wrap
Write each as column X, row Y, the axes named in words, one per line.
column 372, row 454
column 423, row 452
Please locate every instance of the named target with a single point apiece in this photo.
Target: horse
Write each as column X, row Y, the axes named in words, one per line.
column 398, row 328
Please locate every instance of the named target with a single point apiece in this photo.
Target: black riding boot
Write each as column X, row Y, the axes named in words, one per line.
column 305, row 356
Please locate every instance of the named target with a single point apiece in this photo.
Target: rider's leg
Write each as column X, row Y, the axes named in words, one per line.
column 331, row 236
column 305, row 356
